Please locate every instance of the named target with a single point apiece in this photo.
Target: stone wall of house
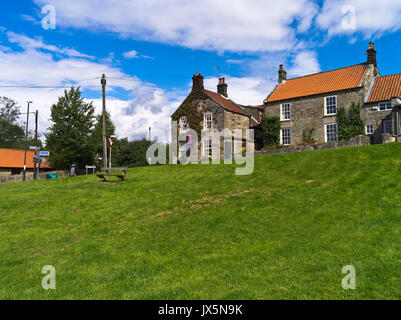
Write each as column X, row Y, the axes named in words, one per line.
column 218, row 116
column 373, row 115
column 235, row 121
column 308, row 113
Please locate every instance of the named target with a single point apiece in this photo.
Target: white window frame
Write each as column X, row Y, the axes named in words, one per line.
column 183, row 124
column 386, row 106
column 370, row 126
column 384, row 126
column 207, row 148
column 325, row 131
column 207, row 121
column 325, row 106
column 283, row 113
column 282, row 137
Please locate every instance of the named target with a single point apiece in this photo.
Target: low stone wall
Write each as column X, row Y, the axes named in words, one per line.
column 42, row 176
column 353, row 142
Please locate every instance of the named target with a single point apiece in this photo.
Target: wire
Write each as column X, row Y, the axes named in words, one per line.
column 46, row 87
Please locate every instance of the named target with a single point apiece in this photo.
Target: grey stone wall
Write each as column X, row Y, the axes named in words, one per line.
column 42, row 176
column 353, row 142
column 307, row 113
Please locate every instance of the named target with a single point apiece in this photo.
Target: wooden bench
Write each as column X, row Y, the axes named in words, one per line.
column 104, row 176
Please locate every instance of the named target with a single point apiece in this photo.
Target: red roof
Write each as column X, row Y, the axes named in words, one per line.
column 12, row 158
column 254, row 123
column 385, row 88
column 262, row 107
column 323, row 82
column 226, row 103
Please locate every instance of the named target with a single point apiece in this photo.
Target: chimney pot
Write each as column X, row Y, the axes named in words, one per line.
column 282, row 74
column 197, row 82
column 222, row 87
column 371, row 52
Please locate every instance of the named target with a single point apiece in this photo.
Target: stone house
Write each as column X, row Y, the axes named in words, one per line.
column 309, row 104
column 382, row 109
column 207, row 110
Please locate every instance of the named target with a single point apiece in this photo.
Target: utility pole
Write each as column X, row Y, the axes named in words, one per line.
column 103, row 82
column 35, row 164
column 26, row 140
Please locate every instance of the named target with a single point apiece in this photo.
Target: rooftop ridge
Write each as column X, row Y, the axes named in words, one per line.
column 321, row 72
column 389, row 75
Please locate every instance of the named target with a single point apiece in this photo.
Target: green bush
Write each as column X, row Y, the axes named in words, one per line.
column 271, row 131
column 350, row 124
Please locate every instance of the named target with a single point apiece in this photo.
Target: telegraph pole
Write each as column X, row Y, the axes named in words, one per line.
column 35, row 164
column 26, row 140
column 103, row 82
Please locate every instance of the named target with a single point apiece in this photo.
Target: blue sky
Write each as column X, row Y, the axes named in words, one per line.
column 149, row 50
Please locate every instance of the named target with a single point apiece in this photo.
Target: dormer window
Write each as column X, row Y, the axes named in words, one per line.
column 207, row 121
column 183, row 124
column 330, row 105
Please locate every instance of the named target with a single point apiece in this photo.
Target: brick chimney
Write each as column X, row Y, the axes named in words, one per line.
column 372, row 54
column 222, row 87
column 282, row 74
column 197, row 82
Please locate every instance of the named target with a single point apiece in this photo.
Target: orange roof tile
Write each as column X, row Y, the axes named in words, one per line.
column 323, row 82
column 12, row 158
column 226, row 103
column 386, row 87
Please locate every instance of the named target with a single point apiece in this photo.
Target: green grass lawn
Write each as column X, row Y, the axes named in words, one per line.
column 201, row 232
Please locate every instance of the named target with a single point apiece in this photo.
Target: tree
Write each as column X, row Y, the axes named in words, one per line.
column 12, row 135
column 130, row 153
column 69, row 138
column 350, row 124
column 97, row 135
column 271, row 131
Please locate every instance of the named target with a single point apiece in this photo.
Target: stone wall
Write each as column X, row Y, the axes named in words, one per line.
column 42, row 176
column 235, row 121
column 353, row 142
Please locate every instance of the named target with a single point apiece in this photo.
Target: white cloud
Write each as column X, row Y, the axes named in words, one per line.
column 304, row 63
column 28, row 43
column 245, row 91
column 130, row 54
column 224, row 25
column 150, row 105
column 372, row 18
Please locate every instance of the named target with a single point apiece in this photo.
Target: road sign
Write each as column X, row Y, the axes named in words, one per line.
column 111, row 140
column 34, row 148
column 44, row 153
